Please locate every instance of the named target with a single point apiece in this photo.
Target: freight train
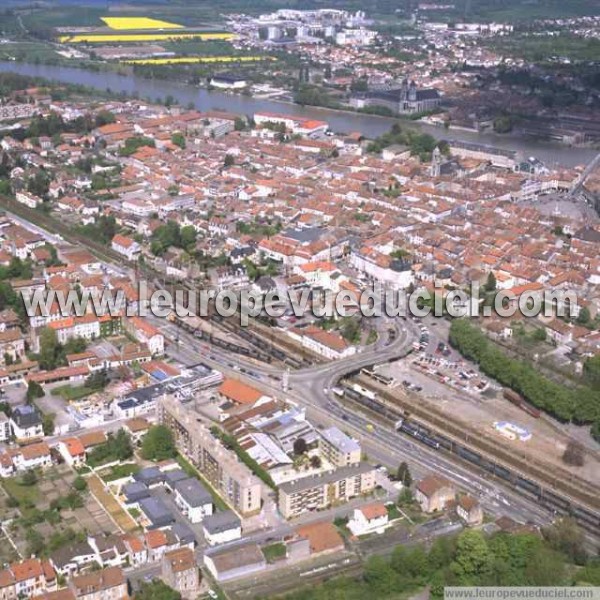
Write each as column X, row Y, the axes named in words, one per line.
column 586, row 518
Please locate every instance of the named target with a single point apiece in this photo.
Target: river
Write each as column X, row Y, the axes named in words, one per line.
column 339, row 121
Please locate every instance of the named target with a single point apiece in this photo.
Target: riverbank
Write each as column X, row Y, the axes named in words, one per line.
column 340, row 121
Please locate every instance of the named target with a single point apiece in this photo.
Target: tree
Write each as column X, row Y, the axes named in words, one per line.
column 79, row 483
column 315, row 462
column 178, row 139
column 34, row 390
column 472, row 557
column 104, row 117
column 403, row 474
column 158, row 444
column 405, row 497
column 239, row 124
column 300, row 447
column 48, row 424
column 39, row 184
column 584, row 317
column 503, row 124
column 29, row 478
column 565, row 536
column 49, row 348
column 156, row 590
column 490, row 285
column 229, row 160
column 574, row 454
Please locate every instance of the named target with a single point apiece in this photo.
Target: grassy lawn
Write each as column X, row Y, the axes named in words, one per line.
column 274, row 552
column 68, row 392
column 393, row 512
column 220, row 504
column 26, row 495
column 119, row 472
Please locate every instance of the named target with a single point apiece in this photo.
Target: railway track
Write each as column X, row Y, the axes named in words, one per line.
column 560, row 492
column 535, row 477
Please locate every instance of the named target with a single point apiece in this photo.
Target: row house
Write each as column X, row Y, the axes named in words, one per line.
column 33, row 456
column 107, row 584
column 27, row 579
column 86, row 327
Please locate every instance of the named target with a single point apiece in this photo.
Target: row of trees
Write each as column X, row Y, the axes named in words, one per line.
column 471, row 559
column 581, row 404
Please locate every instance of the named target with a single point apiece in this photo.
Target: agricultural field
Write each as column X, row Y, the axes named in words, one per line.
column 140, row 37
column 134, row 23
column 189, row 60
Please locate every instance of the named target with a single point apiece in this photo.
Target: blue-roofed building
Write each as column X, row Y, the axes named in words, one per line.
column 26, row 422
column 193, row 499
column 156, row 512
column 184, row 534
column 222, row 527
column 150, row 476
column 172, row 477
column 139, row 402
column 134, row 492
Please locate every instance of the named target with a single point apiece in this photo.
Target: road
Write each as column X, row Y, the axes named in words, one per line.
column 308, row 387
column 383, row 445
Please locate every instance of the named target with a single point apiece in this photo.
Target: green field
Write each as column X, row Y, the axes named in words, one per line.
column 274, row 552
column 69, row 392
column 119, row 472
column 544, row 48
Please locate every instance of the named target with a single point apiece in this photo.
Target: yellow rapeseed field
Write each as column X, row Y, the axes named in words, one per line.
column 140, row 37
column 125, row 23
column 182, row 60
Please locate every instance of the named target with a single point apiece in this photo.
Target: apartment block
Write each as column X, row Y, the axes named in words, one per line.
column 338, row 448
column 218, row 465
column 321, row 490
column 179, row 571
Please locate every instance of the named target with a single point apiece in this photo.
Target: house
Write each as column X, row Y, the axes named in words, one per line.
column 180, row 572
column 5, row 431
column 68, row 560
column 126, row 246
column 193, row 499
column 12, row 344
column 221, row 527
column 137, row 428
column 469, row 510
column 73, row 452
column 27, row 579
column 231, row 563
column 240, row 393
column 136, row 550
column 323, row 537
column 434, row 493
column 325, row 343
column 32, row 456
column 368, row 519
column 147, row 334
column 26, row 423
column 156, row 544
column 107, row 584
